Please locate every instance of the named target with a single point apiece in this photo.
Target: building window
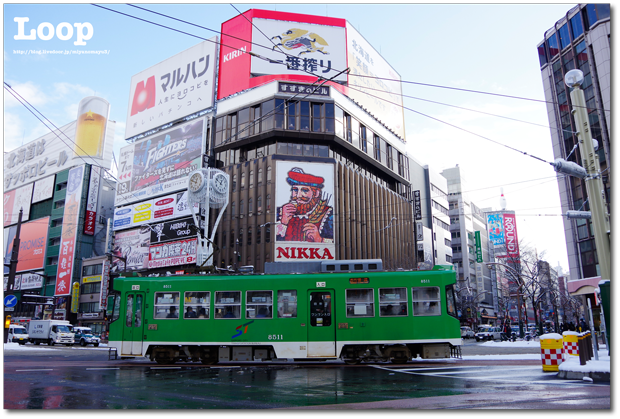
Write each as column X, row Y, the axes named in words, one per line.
column 57, row 222
column 304, row 116
column 258, row 235
column 377, row 148
column 88, row 307
column 241, row 236
column 59, row 204
column 249, row 236
column 251, row 178
column 552, row 42
column 52, row 260
column 347, row 127
column 260, row 176
column 241, row 208
column 317, row 117
column 267, row 237
column 268, row 202
column 268, row 173
column 564, row 36
column 250, row 209
column 234, row 183
column 244, row 119
column 224, row 239
column 232, row 210
column 55, row 241
column 232, row 239
column 259, row 204
column 363, row 141
column 242, row 180
column 389, row 157
column 576, row 26
column 291, row 115
column 330, row 117
column 91, row 288
column 90, row 270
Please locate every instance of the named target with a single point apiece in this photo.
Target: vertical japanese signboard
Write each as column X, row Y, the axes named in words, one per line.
column 75, row 297
column 91, row 201
column 105, row 284
column 478, row 242
column 68, row 238
column 417, row 205
column 512, row 241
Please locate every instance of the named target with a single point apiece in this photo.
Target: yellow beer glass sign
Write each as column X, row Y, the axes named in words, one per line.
column 91, row 124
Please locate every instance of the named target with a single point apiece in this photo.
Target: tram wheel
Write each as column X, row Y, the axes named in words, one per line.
column 164, row 361
column 399, row 360
column 352, row 361
column 208, row 361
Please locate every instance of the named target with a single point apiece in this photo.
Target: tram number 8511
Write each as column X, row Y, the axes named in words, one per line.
column 275, row 337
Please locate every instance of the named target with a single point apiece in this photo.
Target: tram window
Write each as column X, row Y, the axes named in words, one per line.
column 116, row 310
column 129, row 310
column 360, row 303
column 372, row 266
column 344, row 267
column 426, row 301
column 392, row 302
column 358, row 267
column 259, row 304
column 199, row 303
column 320, row 309
column 330, row 268
column 138, row 318
column 287, row 303
column 167, row 305
column 227, row 304
column 450, row 301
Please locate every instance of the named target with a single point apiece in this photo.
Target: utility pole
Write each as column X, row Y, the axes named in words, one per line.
column 594, row 183
column 12, row 271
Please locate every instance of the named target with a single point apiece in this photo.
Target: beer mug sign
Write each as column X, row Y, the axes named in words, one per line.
column 91, row 124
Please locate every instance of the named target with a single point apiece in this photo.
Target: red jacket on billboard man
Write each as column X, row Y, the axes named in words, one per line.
column 307, row 217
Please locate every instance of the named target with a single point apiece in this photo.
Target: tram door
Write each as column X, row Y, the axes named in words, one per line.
column 133, row 329
column 322, row 330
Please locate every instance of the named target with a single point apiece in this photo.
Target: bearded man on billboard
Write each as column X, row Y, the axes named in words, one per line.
column 307, row 217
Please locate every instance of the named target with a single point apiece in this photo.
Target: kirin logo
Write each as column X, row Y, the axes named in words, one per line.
column 144, row 96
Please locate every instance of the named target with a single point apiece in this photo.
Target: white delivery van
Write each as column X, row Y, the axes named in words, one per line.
column 51, row 332
column 18, row 334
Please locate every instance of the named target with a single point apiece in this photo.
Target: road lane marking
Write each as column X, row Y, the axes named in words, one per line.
column 35, row 370
column 107, row 368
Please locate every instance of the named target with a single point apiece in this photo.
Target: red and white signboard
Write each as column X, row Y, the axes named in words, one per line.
column 313, row 35
column 68, row 239
column 32, row 245
column 174, row 253
column 14, row 201
column 176, row 87
column 510, row 234
column 91, row 201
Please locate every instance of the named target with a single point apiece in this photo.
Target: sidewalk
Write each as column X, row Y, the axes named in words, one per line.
column 594, row 370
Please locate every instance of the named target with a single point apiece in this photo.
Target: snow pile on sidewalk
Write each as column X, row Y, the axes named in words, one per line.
column 571, row 363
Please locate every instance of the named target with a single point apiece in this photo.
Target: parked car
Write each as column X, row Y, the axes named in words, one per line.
column 18, row 334
column 488, row 333
column 467, row 333
column 84, row 336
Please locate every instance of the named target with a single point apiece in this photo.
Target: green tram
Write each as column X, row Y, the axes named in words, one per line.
column 354, row 316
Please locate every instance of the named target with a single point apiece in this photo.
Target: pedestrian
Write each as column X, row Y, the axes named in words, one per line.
column 582, row 325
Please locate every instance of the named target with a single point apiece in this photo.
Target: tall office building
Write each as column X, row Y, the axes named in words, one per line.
column 580, row 39
column 476, row 288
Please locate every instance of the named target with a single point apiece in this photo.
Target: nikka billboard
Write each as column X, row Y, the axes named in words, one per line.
column 305, row 211
column 174, row 88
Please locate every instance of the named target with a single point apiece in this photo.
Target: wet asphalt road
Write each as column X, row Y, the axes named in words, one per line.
column 78, row 378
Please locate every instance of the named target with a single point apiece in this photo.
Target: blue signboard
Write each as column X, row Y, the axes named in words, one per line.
column 10, row 301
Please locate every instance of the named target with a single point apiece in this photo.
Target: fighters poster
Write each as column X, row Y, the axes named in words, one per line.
column 305, row 202
column 68, row 239
column 159, row 164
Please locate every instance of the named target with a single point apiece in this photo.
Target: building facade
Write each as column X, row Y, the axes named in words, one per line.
column 66, row 199
column 579, row 40
column 477, row 290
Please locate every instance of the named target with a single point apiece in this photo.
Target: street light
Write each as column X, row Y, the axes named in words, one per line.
column 594, row 183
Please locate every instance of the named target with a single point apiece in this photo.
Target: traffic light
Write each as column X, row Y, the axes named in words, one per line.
column 7, row 322
column 583, row 215
column 569, row 168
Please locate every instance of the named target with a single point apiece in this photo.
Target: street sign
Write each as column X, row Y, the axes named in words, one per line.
column 10, row 301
